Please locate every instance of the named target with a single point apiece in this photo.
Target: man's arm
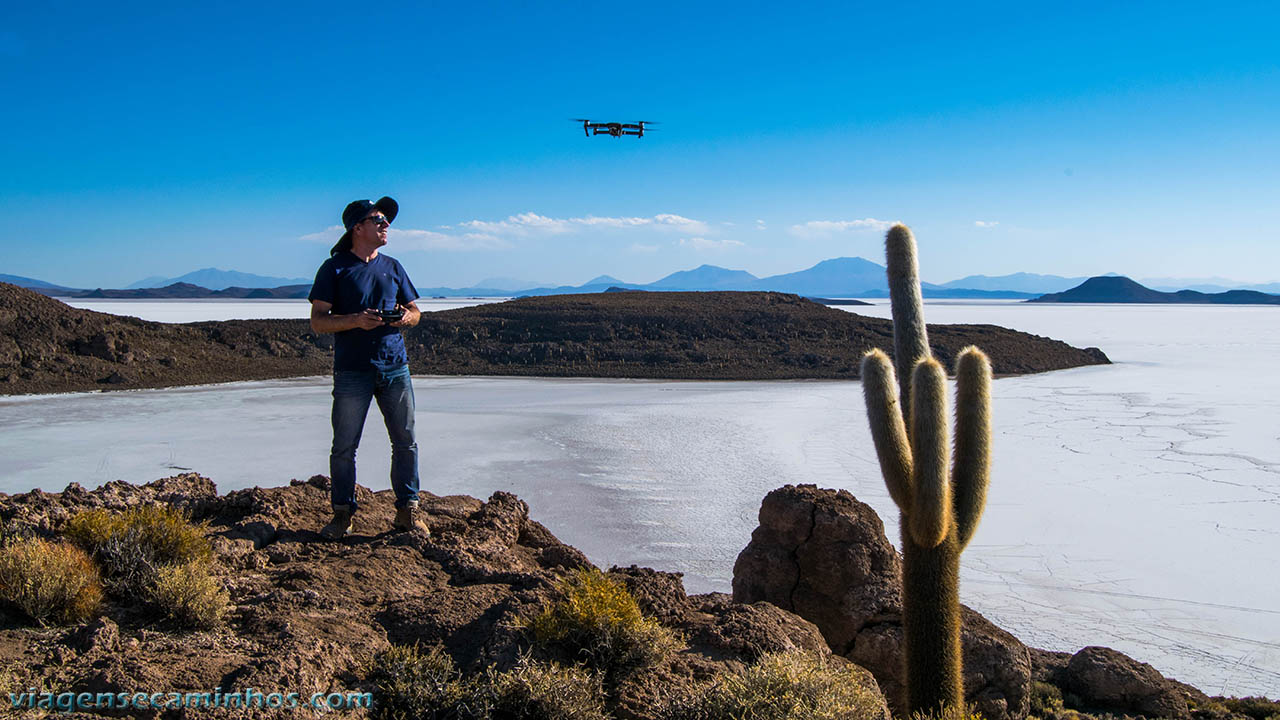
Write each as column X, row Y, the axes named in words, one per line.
column 323, row 321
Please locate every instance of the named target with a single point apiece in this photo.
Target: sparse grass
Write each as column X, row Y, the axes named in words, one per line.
column 782, row 686
column 154, row 553
column 410, row 683
column 951, row 712
column 49, row 581
column 598, row 623
column 190, row 595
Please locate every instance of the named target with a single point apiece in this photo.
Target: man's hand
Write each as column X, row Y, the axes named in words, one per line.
column 411, row 316
column 367, row 320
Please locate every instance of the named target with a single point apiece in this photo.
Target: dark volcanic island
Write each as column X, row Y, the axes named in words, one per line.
column 48, row 346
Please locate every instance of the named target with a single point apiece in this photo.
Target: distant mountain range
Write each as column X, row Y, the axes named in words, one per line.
column 1119, row 289
column 32, row 284
column 1019, row 282
column 215, row 279
column 835, row 278
column 183, row 291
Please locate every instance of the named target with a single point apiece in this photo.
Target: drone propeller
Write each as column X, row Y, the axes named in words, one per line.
column 649, row 122
column 579, row 120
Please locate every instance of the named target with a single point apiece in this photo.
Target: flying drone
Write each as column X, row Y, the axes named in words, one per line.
column 615, row 129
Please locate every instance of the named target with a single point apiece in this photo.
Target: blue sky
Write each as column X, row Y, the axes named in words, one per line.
column 154, row 139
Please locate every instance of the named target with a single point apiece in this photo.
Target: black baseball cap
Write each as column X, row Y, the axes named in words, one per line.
column 357, row 211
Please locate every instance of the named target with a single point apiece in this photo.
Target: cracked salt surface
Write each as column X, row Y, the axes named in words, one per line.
column 1135, row 506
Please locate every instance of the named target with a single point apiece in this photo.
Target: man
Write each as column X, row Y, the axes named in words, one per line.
column 356, row 295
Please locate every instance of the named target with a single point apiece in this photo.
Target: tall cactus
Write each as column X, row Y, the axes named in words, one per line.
column 940, row 498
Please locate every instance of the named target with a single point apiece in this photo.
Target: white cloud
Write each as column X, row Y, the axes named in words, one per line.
column 986, row 223
column 485, row 235
column 824, row 228
column 328, row 235
column 430, row 240
column 760, row 225
column 409, row 239
column 702, row 244
column 532, row 223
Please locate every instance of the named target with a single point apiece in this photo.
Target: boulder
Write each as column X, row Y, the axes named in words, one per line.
column 1108, row 680
column 823, row 555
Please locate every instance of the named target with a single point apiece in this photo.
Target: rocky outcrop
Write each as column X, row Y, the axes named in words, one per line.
column 1109, row 681
column 823, row 555
column 308, row 615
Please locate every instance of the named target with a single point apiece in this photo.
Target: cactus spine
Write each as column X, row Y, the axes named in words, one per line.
column 940, row 494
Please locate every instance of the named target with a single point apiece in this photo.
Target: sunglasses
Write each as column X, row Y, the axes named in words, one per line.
column 378, row 219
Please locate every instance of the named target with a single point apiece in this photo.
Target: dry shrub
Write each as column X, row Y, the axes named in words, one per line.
column 49, row 581
column 166, row 534
column 410, row 683
column 190, row 595
column 1258, row 708
column 783, row 686
column 156, row 554
column 598, row 623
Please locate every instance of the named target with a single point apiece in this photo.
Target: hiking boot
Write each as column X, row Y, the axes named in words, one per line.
column 408, row 518
column 340, row 525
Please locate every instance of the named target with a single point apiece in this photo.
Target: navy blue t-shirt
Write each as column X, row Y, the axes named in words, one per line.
column 352, row 285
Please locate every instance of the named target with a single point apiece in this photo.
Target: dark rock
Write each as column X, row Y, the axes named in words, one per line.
column 823, row 555
column 659, row 594
column 97, row 635
column 1048, row 666
column 1108, row 680
column 754, row 630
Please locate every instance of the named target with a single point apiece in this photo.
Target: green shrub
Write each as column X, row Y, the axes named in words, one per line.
column 1046, row 700
column 782, row 686
column 598, row 623
column 49, row 581
column 409, row 683
column 189, row 595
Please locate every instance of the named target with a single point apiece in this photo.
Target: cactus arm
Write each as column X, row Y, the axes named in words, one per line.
column 971, row 470
column 930, row 515
column 910, row 340
column 888, row 431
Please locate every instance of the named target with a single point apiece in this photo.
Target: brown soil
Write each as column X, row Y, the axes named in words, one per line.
column 48, row 346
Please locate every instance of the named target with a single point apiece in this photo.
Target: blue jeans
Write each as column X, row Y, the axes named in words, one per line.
column 352, row 391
